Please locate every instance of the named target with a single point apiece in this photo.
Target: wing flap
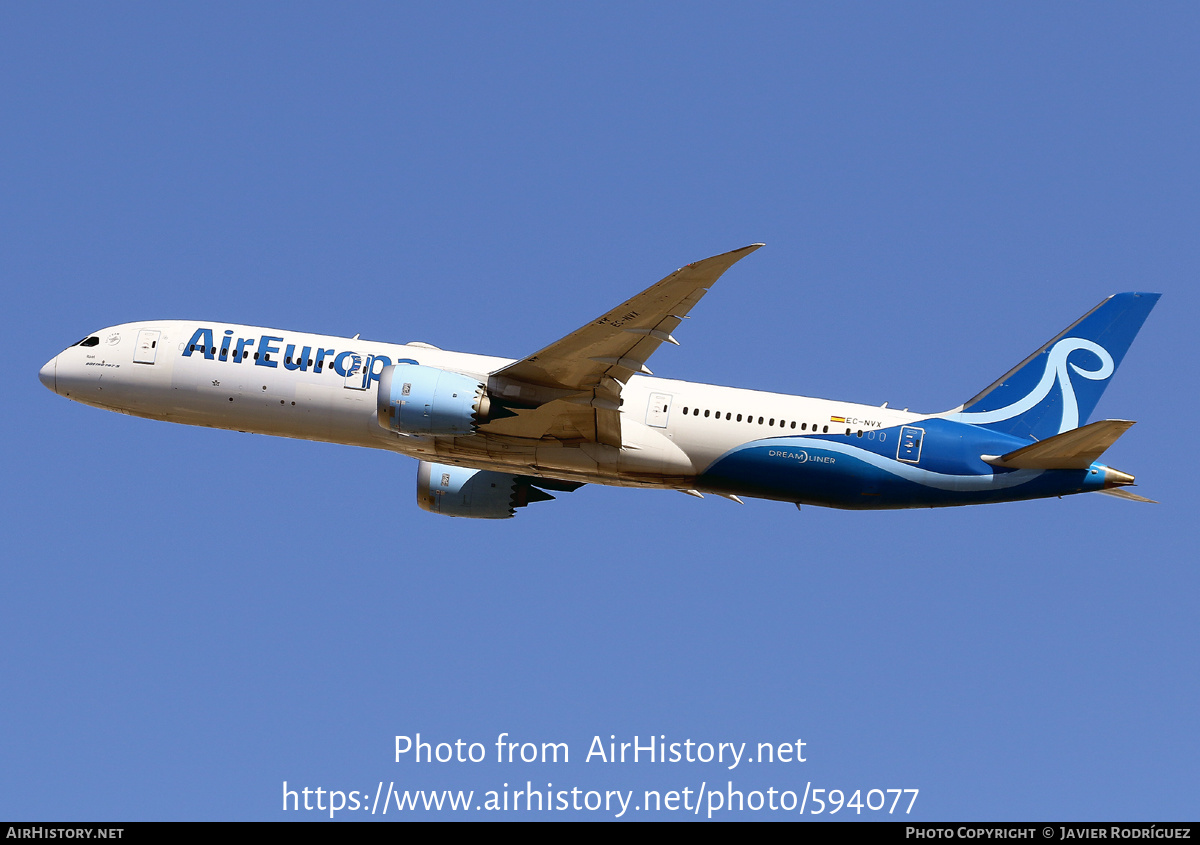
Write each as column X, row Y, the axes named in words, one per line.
column 561, row 420
column 558, row 419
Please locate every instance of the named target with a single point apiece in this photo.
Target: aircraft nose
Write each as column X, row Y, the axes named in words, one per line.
column 46, row 373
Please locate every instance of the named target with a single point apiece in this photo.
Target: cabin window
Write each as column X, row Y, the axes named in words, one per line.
column 706, row 413
column 793, row 423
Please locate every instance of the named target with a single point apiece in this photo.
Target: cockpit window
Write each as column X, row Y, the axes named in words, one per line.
column 89, row 341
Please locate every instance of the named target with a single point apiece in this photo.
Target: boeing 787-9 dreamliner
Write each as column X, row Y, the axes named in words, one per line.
column 492, row 434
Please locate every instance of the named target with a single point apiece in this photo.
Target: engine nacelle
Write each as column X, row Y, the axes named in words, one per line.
column 475, row 493
column 414, row 399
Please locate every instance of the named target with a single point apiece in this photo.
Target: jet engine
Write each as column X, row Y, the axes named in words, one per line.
column 414, row 399
column 480, row 493
column 477, row 493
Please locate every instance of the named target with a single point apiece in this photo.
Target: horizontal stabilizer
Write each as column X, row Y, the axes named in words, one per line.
column 1074, row 449
column 1122, row 493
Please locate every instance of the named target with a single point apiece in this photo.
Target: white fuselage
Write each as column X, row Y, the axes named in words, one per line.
column 304, row 386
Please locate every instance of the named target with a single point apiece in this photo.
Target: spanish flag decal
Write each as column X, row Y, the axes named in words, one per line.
column 837, row 419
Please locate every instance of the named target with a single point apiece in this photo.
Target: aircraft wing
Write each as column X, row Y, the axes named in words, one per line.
column 571, row 390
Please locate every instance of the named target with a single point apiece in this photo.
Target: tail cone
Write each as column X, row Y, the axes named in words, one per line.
column 1116, row 478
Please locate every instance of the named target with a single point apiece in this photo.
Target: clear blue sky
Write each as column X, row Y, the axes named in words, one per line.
column 192, row 617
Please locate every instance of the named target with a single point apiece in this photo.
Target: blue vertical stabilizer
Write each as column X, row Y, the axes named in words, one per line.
column 1057, row 387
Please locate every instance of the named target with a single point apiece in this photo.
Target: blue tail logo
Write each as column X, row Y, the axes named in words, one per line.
column 1049, row 393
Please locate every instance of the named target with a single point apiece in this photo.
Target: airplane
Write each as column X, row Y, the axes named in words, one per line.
column 492, row 435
